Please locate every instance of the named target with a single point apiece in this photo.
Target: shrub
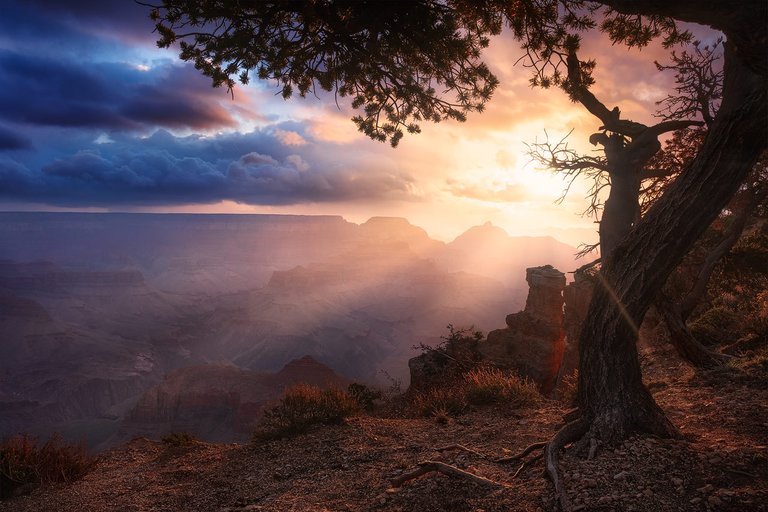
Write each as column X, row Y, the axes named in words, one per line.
column 363, row 395
column 25, row 464
column 754, row 364
column 303, row 406
column 717, row 325
column 486, row 385
column 178, row 439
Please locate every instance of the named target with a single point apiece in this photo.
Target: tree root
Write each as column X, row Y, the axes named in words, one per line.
column 569, row 433
column 527, row 463
column 518, row 456
column 592, row 448
column 446, row 469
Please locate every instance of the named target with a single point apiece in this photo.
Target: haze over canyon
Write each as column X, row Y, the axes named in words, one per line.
column 118, row 324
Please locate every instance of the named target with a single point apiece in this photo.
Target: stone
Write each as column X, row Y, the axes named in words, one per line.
column 533, row 342
column 714, row 501
column 440, row 367
column 577, row 296
column 623, row 475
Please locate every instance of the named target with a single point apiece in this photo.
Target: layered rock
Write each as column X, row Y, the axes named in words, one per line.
column 533, row 342
column 577, row 295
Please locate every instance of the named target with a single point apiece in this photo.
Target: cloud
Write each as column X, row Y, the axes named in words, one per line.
column 290, row 138
column 10, row 140
column 116, row 96
column 509, row 193
column 169, row 170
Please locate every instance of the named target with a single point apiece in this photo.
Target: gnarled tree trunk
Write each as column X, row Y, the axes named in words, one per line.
column 612, row 397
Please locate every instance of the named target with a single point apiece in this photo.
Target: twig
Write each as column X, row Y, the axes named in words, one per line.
column 460, row 448
column 446, row 469
column 740, row 472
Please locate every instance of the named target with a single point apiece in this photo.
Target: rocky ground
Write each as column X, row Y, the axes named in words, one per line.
column 720, row 464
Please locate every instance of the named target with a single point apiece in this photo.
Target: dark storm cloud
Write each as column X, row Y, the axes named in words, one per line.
column 10, row 140
column 114, row 96
column 134, row 171
column 124, row 19
column 80, row 87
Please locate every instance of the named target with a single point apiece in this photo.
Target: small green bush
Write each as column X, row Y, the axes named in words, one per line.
column 24, row 464
column 303, row 406
column 178, row 439
column 486, row 385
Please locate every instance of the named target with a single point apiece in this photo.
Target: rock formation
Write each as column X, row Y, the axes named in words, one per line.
column 533, row 342
column 577, row 295
column 443, row 366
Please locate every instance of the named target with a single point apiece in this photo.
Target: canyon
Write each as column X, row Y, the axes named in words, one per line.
column 99, row 311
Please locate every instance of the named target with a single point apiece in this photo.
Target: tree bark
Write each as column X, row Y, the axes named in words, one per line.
column 676, row 315
column 612, row 396
column 686, row 344
column 621, row 207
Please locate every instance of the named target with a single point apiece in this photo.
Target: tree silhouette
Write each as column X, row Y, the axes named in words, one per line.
column 405, row 62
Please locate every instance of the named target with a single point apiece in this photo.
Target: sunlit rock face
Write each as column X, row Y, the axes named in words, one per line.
column 533, row 342
column 577, row 295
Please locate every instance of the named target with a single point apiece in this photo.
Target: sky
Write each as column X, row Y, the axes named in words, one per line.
column 94, row 117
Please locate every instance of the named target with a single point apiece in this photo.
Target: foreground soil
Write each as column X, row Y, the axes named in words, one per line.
column 720, row 464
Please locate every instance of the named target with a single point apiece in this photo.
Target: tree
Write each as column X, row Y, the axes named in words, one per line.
column 628, row 146
column 392, row 57
column 635, row 170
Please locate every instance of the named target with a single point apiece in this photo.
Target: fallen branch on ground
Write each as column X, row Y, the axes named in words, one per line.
column 446, row 469
column 462, row 448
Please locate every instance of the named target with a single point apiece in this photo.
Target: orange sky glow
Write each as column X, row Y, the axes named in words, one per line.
column 468, row 173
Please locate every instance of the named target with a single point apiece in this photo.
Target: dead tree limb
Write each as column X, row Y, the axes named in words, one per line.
column 430, row 466
column 527, row 463
column 461, row 448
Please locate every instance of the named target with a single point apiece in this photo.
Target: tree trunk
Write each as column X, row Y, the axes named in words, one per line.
column 612, row 397
column 620, row 209
column 683, row 340
column 676, row 315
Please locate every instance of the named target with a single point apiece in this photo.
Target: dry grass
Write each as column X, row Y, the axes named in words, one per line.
column 440, row 403
column 24, row 464
column 303, row 406
column 488, row 385
column 479, row 386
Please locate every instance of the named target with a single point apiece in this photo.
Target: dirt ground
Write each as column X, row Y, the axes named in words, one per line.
column 721, row 464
